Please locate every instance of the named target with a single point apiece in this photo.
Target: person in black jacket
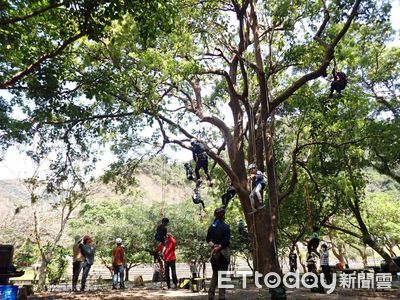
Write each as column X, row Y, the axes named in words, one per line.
column 218, row 237
column 201, row 159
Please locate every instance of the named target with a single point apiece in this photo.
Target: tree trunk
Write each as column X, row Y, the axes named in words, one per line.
column 42, row 275
column 265, row 258
column 370, row 242
column 127, row 269
column 303, row 265
column 366, row 236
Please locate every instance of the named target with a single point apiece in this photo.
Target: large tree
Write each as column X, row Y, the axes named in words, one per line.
column 231, row 66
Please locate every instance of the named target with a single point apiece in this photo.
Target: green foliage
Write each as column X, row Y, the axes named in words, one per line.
column 26, row 255
column 57, row 268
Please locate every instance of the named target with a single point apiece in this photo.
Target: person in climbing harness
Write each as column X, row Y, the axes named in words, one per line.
column 339, row 82
column 189, row 172
column 218, row 237
column 256, row 179
column 196, row 197
column 228, row 196
column 201, row 159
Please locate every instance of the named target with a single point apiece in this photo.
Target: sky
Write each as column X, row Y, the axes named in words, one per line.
column 16, row 165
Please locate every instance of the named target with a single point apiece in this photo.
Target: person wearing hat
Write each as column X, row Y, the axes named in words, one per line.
column 118, row 263
column 218, row 237
column 77, row 261
column 88, row 250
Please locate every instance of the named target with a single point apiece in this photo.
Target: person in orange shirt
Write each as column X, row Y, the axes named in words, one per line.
column 118, row 263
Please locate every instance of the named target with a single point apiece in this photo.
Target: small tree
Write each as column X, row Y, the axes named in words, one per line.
column 61, row 203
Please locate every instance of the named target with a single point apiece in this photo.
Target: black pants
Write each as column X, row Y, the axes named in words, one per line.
column 170, row 264
column 85, row 274
column 202, row 164
column 337, row 86
column 227, row 197
column 76, row 269
column 327, row 272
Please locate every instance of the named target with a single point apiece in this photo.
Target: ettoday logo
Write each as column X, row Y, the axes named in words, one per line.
column 309, row 280
column 272, row 280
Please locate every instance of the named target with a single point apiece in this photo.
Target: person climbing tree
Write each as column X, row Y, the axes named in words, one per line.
column 256, row 179
column 201, row 159
column 196, row 197
column 339, row 82
column 228, row 196
column 218, row 237
column 189, row 172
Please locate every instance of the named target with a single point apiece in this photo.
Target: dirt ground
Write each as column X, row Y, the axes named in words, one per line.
column 233, row 294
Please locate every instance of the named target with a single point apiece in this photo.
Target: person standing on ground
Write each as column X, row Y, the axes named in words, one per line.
column 118, row 263
column 218, row 237
column 324, row 262
column 77, row 261
column 88, row 250
column 170, row 260
column 161, row 233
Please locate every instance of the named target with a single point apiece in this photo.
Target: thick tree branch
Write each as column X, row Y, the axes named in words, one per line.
column 321, row 71
column 349, row 232
column 18, row 76
column 33, row 14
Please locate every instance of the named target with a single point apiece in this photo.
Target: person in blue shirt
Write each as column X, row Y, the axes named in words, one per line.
column 218, row 237
column 201, row 159
column 257, row 183
column 88, row 250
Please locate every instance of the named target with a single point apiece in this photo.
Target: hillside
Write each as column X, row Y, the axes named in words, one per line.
column 149, row 188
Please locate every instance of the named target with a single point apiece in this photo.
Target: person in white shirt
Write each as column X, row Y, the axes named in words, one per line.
column 324, row 262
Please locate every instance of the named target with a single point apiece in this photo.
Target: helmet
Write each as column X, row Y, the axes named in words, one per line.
column 165, row 221
column 251, row 167
column 219, row 213
column 118, row 241
column 193, row 141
